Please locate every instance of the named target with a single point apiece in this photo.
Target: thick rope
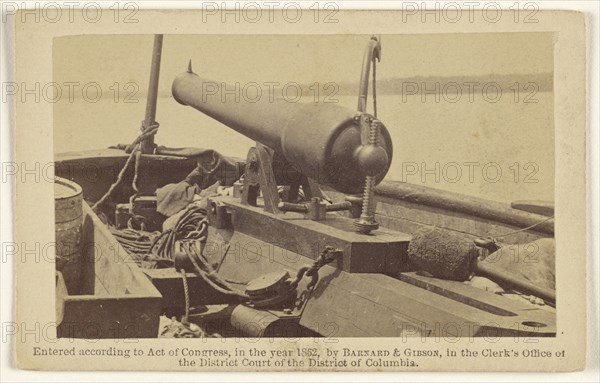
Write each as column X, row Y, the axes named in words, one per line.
column 138, row 155
column 150, row 131
column 133, row 149
column 191, row 225
column 117, row 182
column 213, row 279
column 186, row 293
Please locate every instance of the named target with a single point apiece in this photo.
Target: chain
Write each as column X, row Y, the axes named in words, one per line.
column 328, row 255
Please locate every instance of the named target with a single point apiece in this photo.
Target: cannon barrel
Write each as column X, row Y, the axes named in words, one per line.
column 321, row 140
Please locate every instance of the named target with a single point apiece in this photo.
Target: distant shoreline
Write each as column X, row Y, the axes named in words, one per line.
column 404, row 86
column 543, row 82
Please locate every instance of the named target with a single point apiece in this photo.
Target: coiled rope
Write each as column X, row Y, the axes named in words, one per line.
column 191, row 225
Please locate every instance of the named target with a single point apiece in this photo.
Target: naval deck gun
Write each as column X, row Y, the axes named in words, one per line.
column 300, row 148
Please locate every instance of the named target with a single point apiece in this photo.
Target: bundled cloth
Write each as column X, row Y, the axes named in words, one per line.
column 212, row 167
column 534, row 261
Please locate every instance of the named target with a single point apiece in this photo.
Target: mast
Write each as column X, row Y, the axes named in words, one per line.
column 150, row 117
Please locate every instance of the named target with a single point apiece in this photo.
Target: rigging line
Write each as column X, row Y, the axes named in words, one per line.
column 118, row 181
column 132, row 150
column 478, row 235
column 525, row 228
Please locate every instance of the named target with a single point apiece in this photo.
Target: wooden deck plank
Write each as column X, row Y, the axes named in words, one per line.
column 344, row 301
column 124, row 303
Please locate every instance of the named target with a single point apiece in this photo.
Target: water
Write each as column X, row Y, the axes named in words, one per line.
column 502, row 151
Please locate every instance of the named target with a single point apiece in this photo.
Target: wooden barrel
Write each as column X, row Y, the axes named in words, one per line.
column 68, row 219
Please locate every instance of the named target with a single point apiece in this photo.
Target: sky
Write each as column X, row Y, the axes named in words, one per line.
column 304, row 59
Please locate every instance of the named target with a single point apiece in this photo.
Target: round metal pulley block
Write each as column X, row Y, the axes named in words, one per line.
column 269, row 289
column 267, row 282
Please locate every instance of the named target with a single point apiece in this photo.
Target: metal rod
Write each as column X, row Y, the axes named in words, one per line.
column 527, row 287
column 150, row 117
column 295, row 207
column 372, row 52
column 340, row 206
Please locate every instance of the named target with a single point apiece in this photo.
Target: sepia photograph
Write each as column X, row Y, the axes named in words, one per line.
column 217, row 194
column 333, row 186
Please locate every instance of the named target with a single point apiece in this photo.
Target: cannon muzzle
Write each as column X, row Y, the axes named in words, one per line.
column 321, row 140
